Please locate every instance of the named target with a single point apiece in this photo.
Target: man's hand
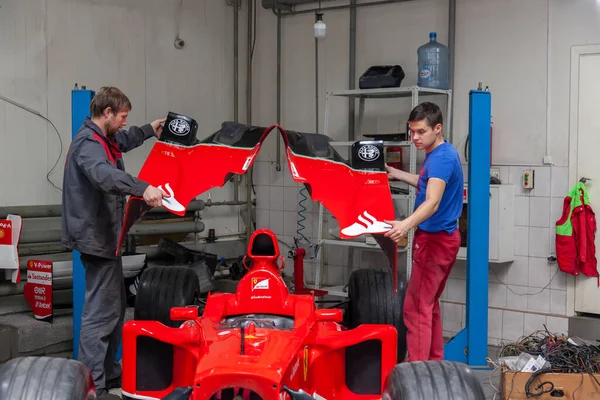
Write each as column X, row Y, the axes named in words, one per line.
column 157, row 126
column 153, row 196
column 402, row 176
column 399, row 229
column 393, row 173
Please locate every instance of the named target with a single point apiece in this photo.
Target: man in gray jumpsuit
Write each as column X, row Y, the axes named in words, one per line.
column 94, row 188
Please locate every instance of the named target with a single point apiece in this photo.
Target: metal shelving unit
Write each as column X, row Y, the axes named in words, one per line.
column 413, row 92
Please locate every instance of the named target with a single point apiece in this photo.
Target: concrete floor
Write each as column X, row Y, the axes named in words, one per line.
column 490, row 380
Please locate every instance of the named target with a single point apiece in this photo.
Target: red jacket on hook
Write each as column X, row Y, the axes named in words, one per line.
column 575, row 234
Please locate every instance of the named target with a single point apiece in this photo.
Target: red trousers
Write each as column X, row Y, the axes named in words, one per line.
column 434, row 254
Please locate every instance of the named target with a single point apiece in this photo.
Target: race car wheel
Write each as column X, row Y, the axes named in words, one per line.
column 432, row 380
column 162, row 288
column 372, row 301
column 43, row 378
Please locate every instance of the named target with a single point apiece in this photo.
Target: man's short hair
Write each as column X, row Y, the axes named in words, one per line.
column 109, row 96
column 427, row 111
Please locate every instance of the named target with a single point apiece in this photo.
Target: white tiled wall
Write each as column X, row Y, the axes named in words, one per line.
column 529, row 292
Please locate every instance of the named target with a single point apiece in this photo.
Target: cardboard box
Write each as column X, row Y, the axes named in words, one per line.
column 566, row 386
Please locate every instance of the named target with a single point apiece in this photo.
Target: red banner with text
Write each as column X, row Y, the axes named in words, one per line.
column 38, row 289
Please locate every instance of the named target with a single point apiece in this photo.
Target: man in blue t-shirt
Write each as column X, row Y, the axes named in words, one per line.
column 438, row 205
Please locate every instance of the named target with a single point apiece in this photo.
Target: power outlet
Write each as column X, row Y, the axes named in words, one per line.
column 527, row 178
column 495, row 173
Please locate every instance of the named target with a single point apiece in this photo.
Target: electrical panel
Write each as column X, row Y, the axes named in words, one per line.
column 502, row 224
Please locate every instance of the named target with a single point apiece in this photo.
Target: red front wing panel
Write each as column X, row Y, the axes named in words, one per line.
column 184, row 172
column 360, row 200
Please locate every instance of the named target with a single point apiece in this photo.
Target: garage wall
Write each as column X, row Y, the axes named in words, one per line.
column 49, row 45
column 521, row 50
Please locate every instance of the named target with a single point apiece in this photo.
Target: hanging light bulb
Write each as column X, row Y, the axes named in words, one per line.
column 320, row 27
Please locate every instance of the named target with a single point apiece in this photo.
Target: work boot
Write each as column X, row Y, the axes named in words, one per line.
column 103, row 394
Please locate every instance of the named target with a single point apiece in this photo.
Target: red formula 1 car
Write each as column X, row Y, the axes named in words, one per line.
column 263, row 342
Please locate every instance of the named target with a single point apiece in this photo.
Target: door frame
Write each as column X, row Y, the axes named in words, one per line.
column 576, row 53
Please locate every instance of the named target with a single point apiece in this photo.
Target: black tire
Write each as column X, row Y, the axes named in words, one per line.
column 162, row 288
column 45, row 378
column 432, row 380
column 372, row 301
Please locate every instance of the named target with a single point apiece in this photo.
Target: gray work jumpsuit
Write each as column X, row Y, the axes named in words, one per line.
column 95, row 186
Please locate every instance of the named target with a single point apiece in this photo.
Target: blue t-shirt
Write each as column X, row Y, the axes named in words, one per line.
column 443, row 163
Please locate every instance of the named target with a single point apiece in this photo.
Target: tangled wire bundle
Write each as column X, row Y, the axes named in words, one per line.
column 564, row 357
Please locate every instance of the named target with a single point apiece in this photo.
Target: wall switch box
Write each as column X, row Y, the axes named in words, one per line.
column 528, row 178
column 547, row 160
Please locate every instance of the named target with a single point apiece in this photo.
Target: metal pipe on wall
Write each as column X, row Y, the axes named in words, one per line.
column 236, row 179
column 235, row 60
column 194, row 205
column 353, row 5
column 352, row 85
column 225, row 203
column 451, row 47
column 30, row 249
column 249, row 65
column 175, row 227
column 52, row 210
column 316, row 81
column 40, row 236
column 352, row 72
column 250, row 171
column 47, row 241
column 278, row 116
column 54, row 235
column 55, row 210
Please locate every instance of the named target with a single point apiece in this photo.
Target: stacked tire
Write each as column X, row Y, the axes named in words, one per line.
column 162, row 288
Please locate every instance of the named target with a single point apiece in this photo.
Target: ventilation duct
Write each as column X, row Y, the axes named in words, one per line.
column 287, row 5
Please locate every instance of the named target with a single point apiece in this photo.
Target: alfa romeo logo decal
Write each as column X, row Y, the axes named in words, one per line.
column 368, row 152
column 179, row 127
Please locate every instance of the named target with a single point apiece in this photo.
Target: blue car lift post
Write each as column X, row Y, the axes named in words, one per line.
column 80, row 108
column 470, row 345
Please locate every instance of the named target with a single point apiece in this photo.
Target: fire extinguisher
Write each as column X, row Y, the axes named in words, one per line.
column 393, row 156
